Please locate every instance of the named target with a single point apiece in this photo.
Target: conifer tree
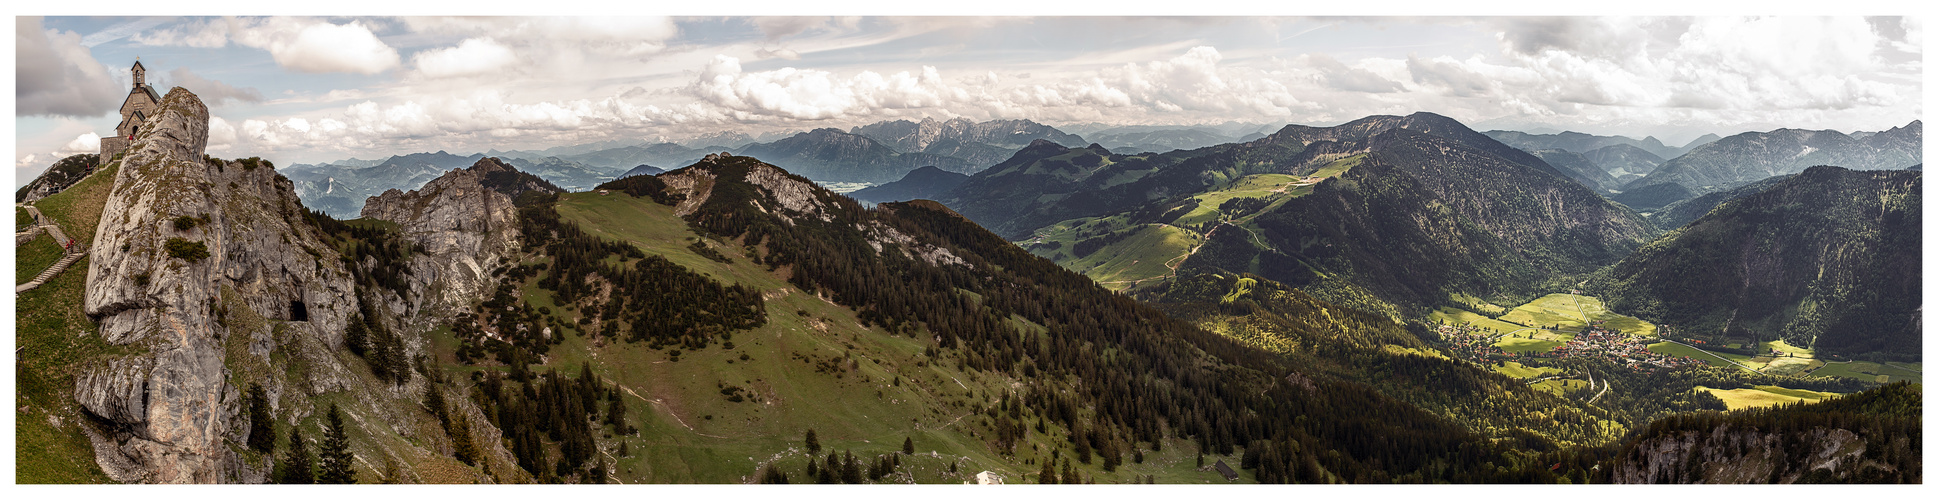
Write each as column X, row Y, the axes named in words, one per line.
column 462, row 446
column 829, row 470
column 850, row 469
column 262, row 427
column 296, row 463
column 908, row 446
column 616, row 414
column 357, row 336
column 434, row 399
column 335, row 457
column 813, row 444
column 1048, row 475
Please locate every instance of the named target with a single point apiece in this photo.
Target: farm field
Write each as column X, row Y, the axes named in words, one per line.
column 1458, row 316
column 1714, row 358
column 1525, row 345
column 1560, row 385
column 1764, row 395
column 1571, row 312
column 1560, row 309
column 1867, row 370
column 1517, row 370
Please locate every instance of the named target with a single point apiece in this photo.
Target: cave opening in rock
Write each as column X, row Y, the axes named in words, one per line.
column 298, row 311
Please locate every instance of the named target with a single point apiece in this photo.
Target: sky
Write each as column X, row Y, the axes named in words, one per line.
column 299, row 89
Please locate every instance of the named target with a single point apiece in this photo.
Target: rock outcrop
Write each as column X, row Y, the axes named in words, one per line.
column 176, row 232
column 466, row 222
column 1737, row 455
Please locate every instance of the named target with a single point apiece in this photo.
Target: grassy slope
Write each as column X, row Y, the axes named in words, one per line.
column 692, row 433
column 34, row 257
column 1764, row 395
column 1140, row 258
column 1866, row 370
column 55, row 340
column 78, row 208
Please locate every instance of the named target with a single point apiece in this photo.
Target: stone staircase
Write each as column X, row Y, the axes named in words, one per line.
column 53, row 230
column 51, row 271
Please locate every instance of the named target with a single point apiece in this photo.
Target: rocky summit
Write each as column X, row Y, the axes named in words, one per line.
column 184, row 242
column 466, row 223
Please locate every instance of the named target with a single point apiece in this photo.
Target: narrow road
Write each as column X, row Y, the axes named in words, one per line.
column 1598, row 395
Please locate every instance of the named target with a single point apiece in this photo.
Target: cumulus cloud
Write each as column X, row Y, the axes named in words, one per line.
column 54, row 75
column 474, row 56
column 82, row 144
column 1339, row 76
column 448, row 120
column 211, row 91
column 1448, row 75
column 816, row 95
column 300, row 44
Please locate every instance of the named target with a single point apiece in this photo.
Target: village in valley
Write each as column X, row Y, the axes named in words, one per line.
column 1479, row 344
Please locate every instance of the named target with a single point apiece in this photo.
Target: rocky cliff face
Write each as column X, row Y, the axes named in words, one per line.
column 1736, row 455
column 181, row 244
column 466, row 222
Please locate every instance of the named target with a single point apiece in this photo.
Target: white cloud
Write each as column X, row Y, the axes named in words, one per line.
column 300, row 44
column 212, row 92
column 54, row 75
column 817, row 95
column 1339, row 76
column 475, row 56
column 332, row 48
column 82, row 144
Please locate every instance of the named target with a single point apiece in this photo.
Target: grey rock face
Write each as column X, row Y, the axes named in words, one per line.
column 466, row 229
column 118, row 391
column 248, row 235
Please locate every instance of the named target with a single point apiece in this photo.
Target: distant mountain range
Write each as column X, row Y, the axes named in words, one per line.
column 1752, row 156
column 340, row 188
column 1582, row 143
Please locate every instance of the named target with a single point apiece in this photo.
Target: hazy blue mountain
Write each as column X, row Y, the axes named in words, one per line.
column 921, row 183
column 1752, row 156
column 1579, row 168
column 830, row 155
column 1624, row 162
column 1577, row 142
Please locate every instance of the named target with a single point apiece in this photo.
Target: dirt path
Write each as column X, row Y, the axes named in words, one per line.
column 663, row 407
column 1174, row 262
